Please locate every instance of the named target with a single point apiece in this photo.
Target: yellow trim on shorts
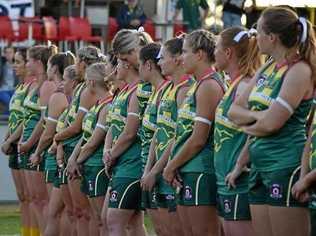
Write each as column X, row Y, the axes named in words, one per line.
column 197, row 189
column 96, row 182
column 290, row 186
column 130, row 185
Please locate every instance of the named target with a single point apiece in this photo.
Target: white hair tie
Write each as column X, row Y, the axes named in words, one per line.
column 303, row 21
column 159, row 54
column 241, row 34
column 141, row 29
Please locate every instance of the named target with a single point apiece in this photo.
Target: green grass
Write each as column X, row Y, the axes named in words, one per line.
column 9, row 219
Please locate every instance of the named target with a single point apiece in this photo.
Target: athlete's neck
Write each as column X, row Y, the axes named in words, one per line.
column 201, row 69
column 282, row 55
column 177, row 76
column 156, row 79
column 132, row 78
column 233, row 71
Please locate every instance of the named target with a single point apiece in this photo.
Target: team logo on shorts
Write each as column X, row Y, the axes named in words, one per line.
column 227, row 206
column 187, row 193
column 113, row 196
column 90, row 183
column 169, row 197
column 276, row 191
column 154, row 200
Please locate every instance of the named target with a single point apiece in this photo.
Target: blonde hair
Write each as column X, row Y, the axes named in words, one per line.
column 90, row 55
column 202, row 40
column 247, row 51
column 72, row 73
column 98, row 72
column 127, row 40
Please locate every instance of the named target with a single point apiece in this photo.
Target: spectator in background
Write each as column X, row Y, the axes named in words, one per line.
column 8, row 79
column 233, row 10
column 191, row 13
column 131, row 15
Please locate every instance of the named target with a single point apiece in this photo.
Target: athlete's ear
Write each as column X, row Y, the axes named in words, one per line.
column 228, row 52
column 178, row 60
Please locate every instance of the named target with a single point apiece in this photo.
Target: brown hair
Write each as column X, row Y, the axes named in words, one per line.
column 42, row 53
column 247, row 51
column 62, row 60
column 285, row 23
column 174, row 46
column 90, row 55
column 202, row 40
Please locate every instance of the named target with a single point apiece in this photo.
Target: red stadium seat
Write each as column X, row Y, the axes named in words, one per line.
column 80, row 28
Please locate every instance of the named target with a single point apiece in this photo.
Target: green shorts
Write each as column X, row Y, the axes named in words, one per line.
column 94, row 182
column 125, row 193
column 274, row 187
column 149, row 199
column 50, row 176
column 13, row 158
column 234, row 207
column 167, row 201
column 198, row 190
column 25, row 163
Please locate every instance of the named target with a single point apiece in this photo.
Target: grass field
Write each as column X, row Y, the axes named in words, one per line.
column 10, row 220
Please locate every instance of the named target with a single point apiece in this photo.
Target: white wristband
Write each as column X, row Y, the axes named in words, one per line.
column 101, row 127
column 133, row 114
column 285, row 104
column 85, row 110
column 52, row 119
column 203, row 120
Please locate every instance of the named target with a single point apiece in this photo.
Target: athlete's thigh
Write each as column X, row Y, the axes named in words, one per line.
column 260, row 220
column 292, row 221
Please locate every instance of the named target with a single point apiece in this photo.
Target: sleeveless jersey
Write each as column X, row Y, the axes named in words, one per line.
column 32, row 113
column 16, row 106
column 284, row 148
column 143, row 93
column 149, row 121
column 203, row 161
column 129, row 163
column 229, row 140
column 88, row 125
column 71, row 142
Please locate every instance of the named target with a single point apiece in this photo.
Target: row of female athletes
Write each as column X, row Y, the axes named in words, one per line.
column 94, row 140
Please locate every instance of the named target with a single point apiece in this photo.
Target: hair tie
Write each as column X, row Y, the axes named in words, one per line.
column 67, row 52
column 241, row 34
column 140, row 29
column 159, row 54
column 303, row 22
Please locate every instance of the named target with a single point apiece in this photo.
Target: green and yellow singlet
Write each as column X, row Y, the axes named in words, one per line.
column 284, row 148
column 88, row 125
column 16, row 106
column 149, row 121
column 203, row 161
column 129, row 163
column 71, row 116
column 229, row 140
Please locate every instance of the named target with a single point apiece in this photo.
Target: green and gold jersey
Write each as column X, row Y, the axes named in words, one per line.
column 284, row 148
column 70, row 143
column 167, row 116
column 203, row 161
column 312, row 159
column 143, row 93
column 229, row 140
column 129, row 163
column 88, row 125
column 149, row 121
column 32, row 113
column 16, row 106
